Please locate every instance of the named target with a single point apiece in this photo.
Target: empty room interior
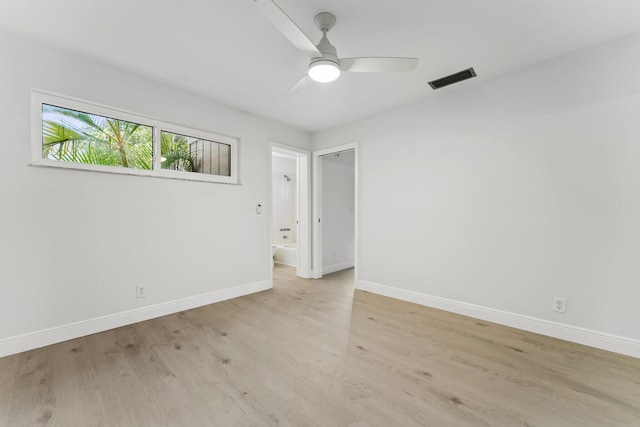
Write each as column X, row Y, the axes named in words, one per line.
column 320, row 213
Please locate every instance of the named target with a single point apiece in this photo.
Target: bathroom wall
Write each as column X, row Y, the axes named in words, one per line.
column 284, row 198
column 338, row 204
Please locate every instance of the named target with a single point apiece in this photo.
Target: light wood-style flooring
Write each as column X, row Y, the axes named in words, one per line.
column 313, row 353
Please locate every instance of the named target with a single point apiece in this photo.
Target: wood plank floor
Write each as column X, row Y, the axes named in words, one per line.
column 310, row 352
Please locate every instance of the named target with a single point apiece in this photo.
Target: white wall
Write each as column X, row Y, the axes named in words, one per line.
column 508, row 192
column 284, row 198
column 338, row 203
column 73, row 244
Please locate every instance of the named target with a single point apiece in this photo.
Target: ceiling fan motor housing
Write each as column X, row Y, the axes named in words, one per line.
column 325, row 68
column 328, row 51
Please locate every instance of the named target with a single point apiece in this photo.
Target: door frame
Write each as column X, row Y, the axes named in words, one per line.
column 317, row 208
column 303, row 208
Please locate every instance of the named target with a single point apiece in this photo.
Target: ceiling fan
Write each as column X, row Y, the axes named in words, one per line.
column 324, row 65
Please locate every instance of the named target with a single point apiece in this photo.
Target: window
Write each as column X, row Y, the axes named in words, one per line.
column 77, row 135
column 190, row 154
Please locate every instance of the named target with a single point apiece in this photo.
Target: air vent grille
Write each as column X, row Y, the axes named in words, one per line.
column 453, row 78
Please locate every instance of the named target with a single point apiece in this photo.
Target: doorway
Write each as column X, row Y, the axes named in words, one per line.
column 335, row 216
column 290, row 208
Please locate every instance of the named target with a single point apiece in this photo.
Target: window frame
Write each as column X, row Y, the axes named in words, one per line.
column 38, row 98
column 192, row 133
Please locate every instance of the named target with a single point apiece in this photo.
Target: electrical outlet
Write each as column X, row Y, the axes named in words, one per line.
column 141, row 291
column 560, row 304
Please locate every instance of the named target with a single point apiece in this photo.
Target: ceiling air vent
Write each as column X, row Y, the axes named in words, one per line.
column 453, row 78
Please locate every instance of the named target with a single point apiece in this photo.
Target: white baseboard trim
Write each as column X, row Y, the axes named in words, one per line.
column 601, row 340
column 337, row 267
column 32, row 340
column 284, row 263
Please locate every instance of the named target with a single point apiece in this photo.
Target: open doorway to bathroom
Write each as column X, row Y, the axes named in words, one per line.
column 290, row 208
column 335, row 210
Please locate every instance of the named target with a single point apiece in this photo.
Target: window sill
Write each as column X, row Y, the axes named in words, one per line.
column 164, row 174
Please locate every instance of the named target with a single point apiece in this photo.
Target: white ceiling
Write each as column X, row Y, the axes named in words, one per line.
column 228, row 51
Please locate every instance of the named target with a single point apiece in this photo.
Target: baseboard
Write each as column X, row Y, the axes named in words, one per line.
column 284, row 263
column 337, row 267
column 29, row 341
column 601, row 340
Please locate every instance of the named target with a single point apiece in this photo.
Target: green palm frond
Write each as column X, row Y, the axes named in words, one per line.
column 81, row 137
column 176, row 154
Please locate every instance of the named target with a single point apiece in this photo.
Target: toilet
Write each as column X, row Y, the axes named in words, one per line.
column 274, row 249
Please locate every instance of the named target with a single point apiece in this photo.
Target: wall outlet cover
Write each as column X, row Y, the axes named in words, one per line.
column 141, row 291
column 559, row 304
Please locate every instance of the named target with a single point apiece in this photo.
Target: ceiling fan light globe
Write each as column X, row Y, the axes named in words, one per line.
column 324, row 71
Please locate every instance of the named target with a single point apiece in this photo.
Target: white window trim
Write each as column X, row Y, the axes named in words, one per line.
column 40, row 97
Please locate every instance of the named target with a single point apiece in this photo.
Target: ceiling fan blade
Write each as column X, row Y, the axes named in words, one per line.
column 378, row 65
column 301, row 84
column 287, row 27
